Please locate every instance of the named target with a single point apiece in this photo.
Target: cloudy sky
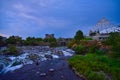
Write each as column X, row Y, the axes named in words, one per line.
column 61, row 17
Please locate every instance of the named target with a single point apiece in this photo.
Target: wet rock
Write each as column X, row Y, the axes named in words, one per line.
column 1, row 67
column 48, row 56
column 33, row 57
column 16, row 63
column 37, row 72
column 61, row 77
column 37, row 62
column 51, row 70
column 43, row 74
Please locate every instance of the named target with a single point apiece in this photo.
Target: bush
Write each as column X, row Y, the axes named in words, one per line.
column 96, row 76
column 92, row 49
column 11, row 50
column 71, row 43
column 53, row 44
column 87, row 39
column 100, row 52
column 79, row 49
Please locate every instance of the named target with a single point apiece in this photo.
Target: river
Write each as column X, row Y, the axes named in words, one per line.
column 52, row 67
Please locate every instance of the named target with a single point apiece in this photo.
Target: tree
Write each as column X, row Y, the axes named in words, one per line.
column 1, row 41
column 79, row 35
column 33, row 41
column 14, row 40
column 51, row 41
column 114, row 41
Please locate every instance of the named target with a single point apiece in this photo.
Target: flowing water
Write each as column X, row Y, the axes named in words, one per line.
column 31, row 55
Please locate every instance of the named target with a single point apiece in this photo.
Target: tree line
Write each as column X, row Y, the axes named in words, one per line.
column 29, row 41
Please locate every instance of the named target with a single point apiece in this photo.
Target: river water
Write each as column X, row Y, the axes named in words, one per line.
column 38, row 63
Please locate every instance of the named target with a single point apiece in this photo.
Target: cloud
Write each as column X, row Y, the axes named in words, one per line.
column 20, row 7
column 4, row 35
column 49, row 3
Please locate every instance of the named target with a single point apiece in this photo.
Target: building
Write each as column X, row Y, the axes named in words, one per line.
column 100, row 37
column 49, row 35
column 63, row 41
column 102, row 30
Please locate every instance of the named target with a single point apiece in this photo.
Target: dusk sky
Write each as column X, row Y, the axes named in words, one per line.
column 61, row 17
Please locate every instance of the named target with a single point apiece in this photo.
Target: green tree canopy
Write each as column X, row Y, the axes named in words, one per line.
column 14, row 40
column 114, row 40
column 79, row 35
column 32, row 41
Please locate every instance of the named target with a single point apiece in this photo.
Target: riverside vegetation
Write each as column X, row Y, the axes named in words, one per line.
column 14, row 41
column 96, row 60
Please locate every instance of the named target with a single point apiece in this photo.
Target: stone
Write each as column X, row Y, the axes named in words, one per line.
column 37, row 72
column 51, row 70
column 48, row 56
column 33, row 57
column 61, row 77
column 43, row 74
column 1, row 67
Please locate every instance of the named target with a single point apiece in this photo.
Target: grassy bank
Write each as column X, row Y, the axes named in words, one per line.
column 96, row 67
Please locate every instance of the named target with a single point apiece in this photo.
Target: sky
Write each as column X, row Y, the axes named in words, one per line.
column 61, row 17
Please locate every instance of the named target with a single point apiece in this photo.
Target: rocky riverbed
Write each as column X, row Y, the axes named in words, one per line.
column 38, row 63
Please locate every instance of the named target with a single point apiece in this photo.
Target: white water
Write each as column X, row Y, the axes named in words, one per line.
column 65, row 53
column 23, row 59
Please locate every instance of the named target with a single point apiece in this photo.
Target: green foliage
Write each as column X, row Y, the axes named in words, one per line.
column 100, row 52
column 92, row 49
column 1, row 41
column 12, row 49
column 87, row 39
column 96, row 67
column 33, row 41
column 51, row 41
column 71, row 43
column 79, row 35
column 79, row 49
column 95, row 76
column 53, row 44
column 114, row 41
column 14, row 40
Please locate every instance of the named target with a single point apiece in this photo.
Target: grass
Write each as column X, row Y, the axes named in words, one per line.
column 96, row 67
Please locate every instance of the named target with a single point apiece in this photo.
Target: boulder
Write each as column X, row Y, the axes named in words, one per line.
column 43, row 74
column 33, row 57
column 48, row 56
column 1, row 67
column 51, row 70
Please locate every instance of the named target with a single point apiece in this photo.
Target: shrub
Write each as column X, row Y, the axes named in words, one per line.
column 92, row 49
column 79, row 49
column 96, row 76
column 11, row 50
column 88, row 39
column 100, row 52
column 53, row 44
column 71, row 43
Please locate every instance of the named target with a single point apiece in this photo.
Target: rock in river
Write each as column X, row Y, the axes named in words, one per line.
column 43, row 74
